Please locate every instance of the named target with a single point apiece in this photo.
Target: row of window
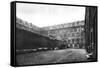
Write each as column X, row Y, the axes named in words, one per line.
column 67, row 30
column 69, row 35
column 78, row 40
column 79, row 34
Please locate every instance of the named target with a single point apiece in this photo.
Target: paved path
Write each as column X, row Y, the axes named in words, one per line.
column 54, row 56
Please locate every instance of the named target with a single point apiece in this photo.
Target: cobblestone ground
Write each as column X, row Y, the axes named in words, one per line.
column 53, row 56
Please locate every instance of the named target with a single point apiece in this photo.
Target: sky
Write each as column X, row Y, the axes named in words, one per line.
column 43, row 15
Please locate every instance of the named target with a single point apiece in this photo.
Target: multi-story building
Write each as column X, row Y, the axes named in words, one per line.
column 68, row 35
column 72, row 33
column 29, row 27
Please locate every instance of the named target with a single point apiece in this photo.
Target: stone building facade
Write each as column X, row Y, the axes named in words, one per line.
column 71, row 34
